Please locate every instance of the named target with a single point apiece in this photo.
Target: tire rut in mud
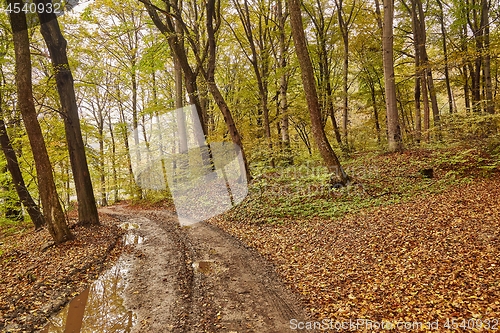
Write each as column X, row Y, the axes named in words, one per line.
column 200, row 279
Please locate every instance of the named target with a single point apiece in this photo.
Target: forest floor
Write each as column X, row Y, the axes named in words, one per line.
column 190, row 279
column 37, row 278
column 378, row 255
column 436, row 257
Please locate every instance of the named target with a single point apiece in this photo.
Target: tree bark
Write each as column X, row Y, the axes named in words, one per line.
column 463, row 48
column 209, row 75
column 324, row 76
column 485, row 26
column 259, row 59
column 170, row 30
column 395, row 141
column 281, row 16
column 54, row 216
column 344, row 26
column 445, row 53
column 113, row 159
column 87, row 209
column 307, row 73
column 475, row 69
column 177, row 46
column 17, row 177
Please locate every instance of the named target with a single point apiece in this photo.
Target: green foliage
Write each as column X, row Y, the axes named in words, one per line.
column 460, row 127
column 154, row 198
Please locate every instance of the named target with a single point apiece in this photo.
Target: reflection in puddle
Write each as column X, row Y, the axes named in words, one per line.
column 99, row 308
column 129, row 226
column 131, row 239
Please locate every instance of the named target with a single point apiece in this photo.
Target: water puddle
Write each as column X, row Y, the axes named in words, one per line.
column 131, row 239
column 100, row 307
column 203, row 266
column 129, row 226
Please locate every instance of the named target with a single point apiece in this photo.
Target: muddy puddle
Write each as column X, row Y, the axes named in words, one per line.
column 100, row 307
column 131, row 239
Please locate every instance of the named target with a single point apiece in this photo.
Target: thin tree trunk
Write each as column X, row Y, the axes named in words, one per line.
column 52, row 209
column 17, row 177
column 418, row 71
column 426, row 109
column 395, row 141
column 418, row 111
column 422, row 34
column 284, row 125
column 307, row 73
column 180, row 118
column 113, row 158
column 344, row 26
column 344, row 30
column 445, row 53
column 179, row 97
column 488, row 87
column 102, row 166
column 123, row 130
column 475, row 68
column 260, row 68
column 87, row 209
column 466, row 88
column 375, row 110
column 209, row 76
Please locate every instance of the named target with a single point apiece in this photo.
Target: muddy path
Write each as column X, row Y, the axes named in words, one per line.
column 200, row 279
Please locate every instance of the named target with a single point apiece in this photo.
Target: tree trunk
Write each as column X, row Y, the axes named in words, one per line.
column 475, row 69
column 87, row 209
column 418, row 71
column 17, row 177
column 425, row 98
column 463, row 48
column 375, row 109
column 344, row 30
column 102, row 165
column 260, row 68
column 113, row 158
column 418, row 111
column 209, row 75
column 421, row 35
column 284, row 125
column 395, row 141
column 445, row 53
column 54, row 216
column 123, row 131
column 307, row 73
column 180, row 119
column 488, row 87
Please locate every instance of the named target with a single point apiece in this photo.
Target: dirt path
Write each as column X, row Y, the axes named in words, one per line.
column 200, row 279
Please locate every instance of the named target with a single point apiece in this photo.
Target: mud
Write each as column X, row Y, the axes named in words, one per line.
column 182, row 279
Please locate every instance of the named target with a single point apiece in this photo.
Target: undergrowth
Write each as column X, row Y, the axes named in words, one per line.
column 282, row 195
column 9, row 227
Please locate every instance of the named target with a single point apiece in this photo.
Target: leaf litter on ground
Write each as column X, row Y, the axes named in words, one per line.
column 38, row 279
column 435, row 257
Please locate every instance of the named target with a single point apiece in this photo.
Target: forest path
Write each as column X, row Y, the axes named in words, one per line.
column 200, row 279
